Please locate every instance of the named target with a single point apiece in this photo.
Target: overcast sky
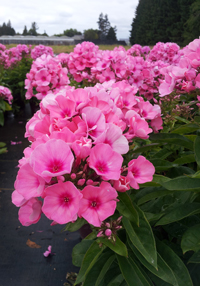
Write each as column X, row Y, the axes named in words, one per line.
column 56, row 16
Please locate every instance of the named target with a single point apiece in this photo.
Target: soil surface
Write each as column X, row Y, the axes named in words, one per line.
column 21, row 248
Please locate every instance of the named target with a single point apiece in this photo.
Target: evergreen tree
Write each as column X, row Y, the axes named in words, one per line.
column 112, row 34
column 33, row 29
column 192, row 26
column 6, row 29
column 165, row 21
column 25, row 31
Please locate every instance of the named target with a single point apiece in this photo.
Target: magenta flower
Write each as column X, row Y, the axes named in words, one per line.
column 52, row 159
column 140, row 171
column 106, row 162
column 61, row 202
column 98, row 203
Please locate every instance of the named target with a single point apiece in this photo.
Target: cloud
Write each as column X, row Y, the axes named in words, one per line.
column 55, row 17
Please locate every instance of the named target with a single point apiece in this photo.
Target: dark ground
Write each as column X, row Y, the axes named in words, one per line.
column 21, row 265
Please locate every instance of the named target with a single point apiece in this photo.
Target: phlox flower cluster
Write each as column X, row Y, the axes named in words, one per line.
column 183, row 76
column 138, row 66
column 46, row 75
column 166, row 52
column 14, row 55
column 74, row 166
column 138, row 50
column 82, row 59
column 6, row 94
column 41, row 50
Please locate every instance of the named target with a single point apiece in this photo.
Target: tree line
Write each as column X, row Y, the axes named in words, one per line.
column 105, row 31
column 165, row 21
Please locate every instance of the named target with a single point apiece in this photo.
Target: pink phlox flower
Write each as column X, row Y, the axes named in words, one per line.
column 61, row 202
column 140, row 171
column 28, row 183
column 106, row 162
column 95, row 121
column 82, row 147
column 98, row 203
column 43, row 77
column 138, row 127
column 52, row 159
column 113, row 136
column 122, row 185
column 30, row 212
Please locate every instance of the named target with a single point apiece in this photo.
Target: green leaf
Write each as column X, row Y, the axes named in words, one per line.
column 2, row 105
column 163, row 271
column 187, row 128
column 21, row 83
column 182, row 183
column 1, row 118
column 153, row 195
column 118, row 247
column 2, row 144
column 197, row 149
column 176, row 139
column 159, row 179
column 126, row 208
column 146, row 148
column 179, row 213
column 96, row 271
column 79, row 251
column 179, row 269
column 162, row 165
column 195, row 258
column 75, row 225
column 3, row 150
column 89, row 260
column 117, row 281
column 131, row 272
column 142, row 237
column 191, row 239
column 182, row 119
column 185, row 159
column 104, row 269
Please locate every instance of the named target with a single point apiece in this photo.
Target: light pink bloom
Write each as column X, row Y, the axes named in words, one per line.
column 61, row 202
column 98, row 203
column 17, row 199
column 29, row 184
column 52, row 159
column 113, row 136
column 106, row 162
column 95, row 121
column 140, row 171
column 30, row 212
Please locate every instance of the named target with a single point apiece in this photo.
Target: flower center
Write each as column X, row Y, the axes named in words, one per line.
column 93, row 204
column 66, row 199
column 101, row 167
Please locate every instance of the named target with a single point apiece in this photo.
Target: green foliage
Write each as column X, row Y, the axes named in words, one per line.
column 91, row 34
column 112, row 34
column 104, row 26
column 165, row 21
column 6, row 29
column 71, row 32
